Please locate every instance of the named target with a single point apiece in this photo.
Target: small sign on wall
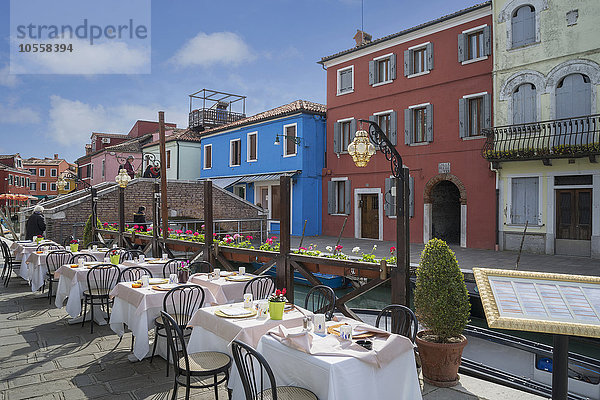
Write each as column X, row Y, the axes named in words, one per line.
column 444, row 168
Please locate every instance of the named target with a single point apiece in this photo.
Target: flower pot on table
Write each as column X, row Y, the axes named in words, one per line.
column 74, row 247
column 114, row 259
column 276, row 309
column 183, row 276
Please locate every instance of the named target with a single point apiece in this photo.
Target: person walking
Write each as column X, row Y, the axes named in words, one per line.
column 139, row 218
column 35, row 225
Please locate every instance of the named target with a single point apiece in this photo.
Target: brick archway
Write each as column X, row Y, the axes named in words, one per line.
column 444, row 177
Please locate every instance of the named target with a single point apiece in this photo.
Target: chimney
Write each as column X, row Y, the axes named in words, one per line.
column 362, row 38
column 56, row 156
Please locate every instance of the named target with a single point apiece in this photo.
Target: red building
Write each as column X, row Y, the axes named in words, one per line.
column 14, row 183
column 430, row 89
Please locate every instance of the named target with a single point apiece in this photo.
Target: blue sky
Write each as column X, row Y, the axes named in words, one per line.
column 265, row 49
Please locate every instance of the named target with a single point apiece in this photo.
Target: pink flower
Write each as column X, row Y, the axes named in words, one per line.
column 188, row 232
column 269, row 241
column 274, row 238
column 196, row 234
column 202, row 227
column 214, row 234
column 249, row 237
column 392, row 249
column 136, row 227
column 302, row 248
column 149, row 229
column 338, row 247
column 179, row 231
column 105, row 224
column 283, row 291
column 237, row 236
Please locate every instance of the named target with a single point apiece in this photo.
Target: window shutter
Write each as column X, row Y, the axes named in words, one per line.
column 406, row 62
column 462, row 48
column 429, row 56
column 393, row 66
column 529, row 103
column 411, row 197
column 517, row 105
column 347, row 196
column 374, row 119
column 393, row 127
column 407, row 126
column 462, row 118
column 352, row 131
column 337, row 140
column 487, row 111
column 487, row 41
column 331, row 197
column 387, row 197
column 430, row 123
column 371, row 72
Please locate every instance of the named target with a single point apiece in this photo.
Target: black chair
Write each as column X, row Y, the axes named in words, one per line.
column 95, row 243
column 54, row 260
column 9, row 263
column 67, row 241
column 82, row 256
column 132, row 255
column 181, row 303
column 48, row 247
column 321, row 299
column 132, row 274
column 101, row 279
column 261, row 287
column 201, row 267
column 398, row 319
column 252, row 367
column 171, row 266
column 186, row 366
column 117, row 250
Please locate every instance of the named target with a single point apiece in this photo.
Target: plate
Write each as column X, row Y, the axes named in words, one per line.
column 165, row 287
column 251, row 313
column 332, row 330
column 155, row 281
column 157, row 261
column 239, row 278
column 227, row 273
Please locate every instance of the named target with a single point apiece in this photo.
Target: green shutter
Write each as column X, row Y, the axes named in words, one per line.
column 331, row 197
column 337, row 140
column 462, row 47
column 429, row 123
column 429, row 57
column 411, row 198
column 393, row 127
column 371, row 72
column 487, row 41
column 348, row 197
column 487, row 111
column 462, row 118
column 407, row 126
column 406, row 62
column 352, row 131
column 393, row 66
column 387, row 197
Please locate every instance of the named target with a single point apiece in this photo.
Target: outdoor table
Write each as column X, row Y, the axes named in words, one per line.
column 342, row 377
column 23, row 250
column 224, row 290
column 138, row 308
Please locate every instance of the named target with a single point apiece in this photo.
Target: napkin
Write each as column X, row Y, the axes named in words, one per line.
column 298, row 340
column 234, row 311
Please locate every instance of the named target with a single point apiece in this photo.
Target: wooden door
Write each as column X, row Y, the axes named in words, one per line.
column 574, row 214
column 275, row 202
column 369, row 216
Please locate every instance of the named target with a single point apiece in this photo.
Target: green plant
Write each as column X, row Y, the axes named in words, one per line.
column 441, row 298
column 87, row 231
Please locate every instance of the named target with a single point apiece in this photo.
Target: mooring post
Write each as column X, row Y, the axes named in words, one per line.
column 284, row 275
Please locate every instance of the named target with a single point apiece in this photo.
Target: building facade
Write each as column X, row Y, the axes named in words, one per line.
column 545, row 141
column 182, row 154
column 249, row 155
column 44, row 175
column 14, row 183
column 430, row 90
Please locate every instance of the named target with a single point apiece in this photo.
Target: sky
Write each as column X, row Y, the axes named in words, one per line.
column 266, row 50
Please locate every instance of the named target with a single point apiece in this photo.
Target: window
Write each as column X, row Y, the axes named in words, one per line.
column 53, row 187
column 474, row 44
column 419, row 116
column 524, row 108
column 523, row 26
column 525, row 200
column 338, row 201
column 10, row 179
column 68, row 186
column 33, row 171
column 474, row 114
column 32, row 186
column 103, row 167
column 343, row 134
column 573, row 96
column 53, row 172
column 168, row 158
column 208, row 156
column 235, row 152
column 42, row 171
column 475, row 106
column 240, row 191
column 289, row 144
column 27, row 182
column 252, row 150
column 17, row 180
column 382, row 69
column 418, row 59
column 91, row 171
column 43, row 186
column 390, row 196
column 418, row 124
column 387, row 121
column 345, row 80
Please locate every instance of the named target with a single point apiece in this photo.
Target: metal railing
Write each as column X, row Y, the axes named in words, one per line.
column 560, row 138
column 210, row 117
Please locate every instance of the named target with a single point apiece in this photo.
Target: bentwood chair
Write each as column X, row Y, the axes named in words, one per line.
column 82, row 256
column 114, row 251
column 321, row 299
column 9, row 263
column 171, row 266
column 134, row 273
column 187, row 366
column 131, row 255
column 261, row 287
column 201, row 267
column 48, row 247
column 181, row 303
column 252, row 367
column 54, row 260
column 95, row 243
column 398, row 319
column 101, row 279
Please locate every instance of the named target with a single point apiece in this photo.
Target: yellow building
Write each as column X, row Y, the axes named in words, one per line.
column 545, row 143
column 67, row 176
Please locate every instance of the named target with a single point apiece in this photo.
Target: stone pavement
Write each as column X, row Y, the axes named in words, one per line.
column 467, row 258
column 42, row 357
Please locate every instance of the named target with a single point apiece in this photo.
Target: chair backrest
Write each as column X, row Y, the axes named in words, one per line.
column 398, row 319
column 175, row 342
column 182, row 302
column 134, row 273
column 171, row 266
column 321, row 299
column 261, row 287
column 254, row 371
column 67, row 240
column 82, row 256
column 47, row 247
column 95, row 243
column 103, row 277
column 117, row 250
column 131, row 254
column 55, row 259
column 199, row 267
column 5, row 252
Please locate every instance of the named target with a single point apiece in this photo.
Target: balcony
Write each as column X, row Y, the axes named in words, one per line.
column 217, row 109
column 210, row 117
column 561, row 138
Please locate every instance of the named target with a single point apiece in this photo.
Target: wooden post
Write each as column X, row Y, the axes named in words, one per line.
column 163, row 175
column 155, row 220
column 121, row 216
column 285, row 277
column 208, row 222
column 400, row 274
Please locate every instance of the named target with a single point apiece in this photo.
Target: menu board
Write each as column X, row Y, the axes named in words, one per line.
column 540, row 302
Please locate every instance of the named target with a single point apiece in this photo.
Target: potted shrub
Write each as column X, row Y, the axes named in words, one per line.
column 442, row 307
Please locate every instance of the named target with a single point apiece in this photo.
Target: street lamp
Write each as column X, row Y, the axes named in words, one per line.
column 295, row 139
column 361, row 149
column 122, row 180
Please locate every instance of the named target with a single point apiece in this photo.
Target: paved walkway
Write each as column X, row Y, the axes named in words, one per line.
column 467, row 258
column 42, row 357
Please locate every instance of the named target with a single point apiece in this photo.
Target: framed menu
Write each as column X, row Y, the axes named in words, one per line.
column 540, row 302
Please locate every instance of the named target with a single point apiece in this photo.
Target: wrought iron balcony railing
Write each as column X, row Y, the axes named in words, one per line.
column 210, row 117
column 560, row 138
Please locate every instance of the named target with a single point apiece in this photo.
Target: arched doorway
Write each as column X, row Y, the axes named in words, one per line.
column 445, row 212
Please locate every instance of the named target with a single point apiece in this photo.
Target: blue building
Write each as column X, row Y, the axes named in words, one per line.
column 248, row 157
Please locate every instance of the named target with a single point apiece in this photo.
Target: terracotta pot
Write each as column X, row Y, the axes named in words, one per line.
column 440, row 361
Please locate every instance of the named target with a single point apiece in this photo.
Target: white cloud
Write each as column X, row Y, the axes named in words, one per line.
column 6, row 79
column 206, row 50
column 18, row 115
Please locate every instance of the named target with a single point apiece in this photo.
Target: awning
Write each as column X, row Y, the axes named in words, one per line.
column 264, row 177
column 225, row 182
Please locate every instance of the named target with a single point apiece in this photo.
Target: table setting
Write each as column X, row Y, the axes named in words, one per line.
column 225, row 286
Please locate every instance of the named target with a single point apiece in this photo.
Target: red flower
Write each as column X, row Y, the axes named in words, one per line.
column 277, row 292
column 283, row 291
column 392, row 249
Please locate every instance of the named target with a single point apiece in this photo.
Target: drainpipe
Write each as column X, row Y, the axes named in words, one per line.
column 177, row 142
column 497, row 246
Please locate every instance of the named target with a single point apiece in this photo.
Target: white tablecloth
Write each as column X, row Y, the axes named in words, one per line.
column 23, row 251
column 224, row 290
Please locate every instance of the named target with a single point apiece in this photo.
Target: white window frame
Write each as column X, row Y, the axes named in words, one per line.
column 33, row 186
column 236, row 188
column 53, row 187
column 68, row 186
column 19, row 163
column 231, row 152
column 338, row 79
column 344, row 149
column 207, row 147
column 419, row 47
column 468, row 32
column 43, row 187
column 255, row 134
column 42, row 172
column 509, row 213
column 53, row 172
column 358, row 216
column 377, row 59
column 412, row 115
column 471, row 96
column 338, row 179
column 285, row 141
